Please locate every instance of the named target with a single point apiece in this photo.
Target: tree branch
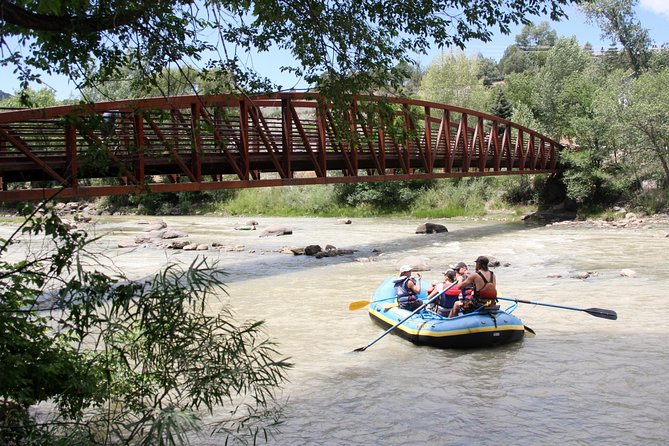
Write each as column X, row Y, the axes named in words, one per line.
column 14, row 15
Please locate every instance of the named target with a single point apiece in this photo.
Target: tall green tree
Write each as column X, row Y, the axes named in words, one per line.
column 555, row 98
column 535, row 37
column 530, row 50
column 454, row 79
column 500, row 105
column 516, row 60
column 44, row 97
column 618, row 22
column 644, row 110
column 489, row 71
column 340, row 46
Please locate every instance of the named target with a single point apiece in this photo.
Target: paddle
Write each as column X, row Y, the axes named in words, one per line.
column 362, row 349
column 358, row 304
column 597, row 312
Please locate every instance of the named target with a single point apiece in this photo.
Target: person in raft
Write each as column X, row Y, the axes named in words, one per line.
column 461, row 274
column 407, row 288
column 445, row 302
column 484, row 288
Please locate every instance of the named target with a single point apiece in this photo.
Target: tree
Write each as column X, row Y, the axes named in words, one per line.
column 44, row 97
column 644, row 109
column 515, row 60
column 488, row 71
column 536, row 37
column 618, row 22
column 500, row 105
column 454, row 79
column 123, row 360
column 345, row 46
column 555, row 98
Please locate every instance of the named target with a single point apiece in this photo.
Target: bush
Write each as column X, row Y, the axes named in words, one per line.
column 124, row 361
column 383, row 194
column 590, row 181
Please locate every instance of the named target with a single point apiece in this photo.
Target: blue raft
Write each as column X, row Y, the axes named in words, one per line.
column 483, row 328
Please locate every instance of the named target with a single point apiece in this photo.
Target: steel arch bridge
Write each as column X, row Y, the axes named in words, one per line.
column 194, row 143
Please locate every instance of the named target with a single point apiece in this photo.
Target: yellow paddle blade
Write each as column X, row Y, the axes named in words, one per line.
column 358, row 304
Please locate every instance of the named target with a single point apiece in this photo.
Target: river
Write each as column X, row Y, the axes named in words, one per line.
column 581, row 380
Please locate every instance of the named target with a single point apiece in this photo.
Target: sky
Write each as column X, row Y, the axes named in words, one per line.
column 653, row 15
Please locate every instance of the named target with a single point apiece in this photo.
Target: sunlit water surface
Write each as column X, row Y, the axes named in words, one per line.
column 580, row 380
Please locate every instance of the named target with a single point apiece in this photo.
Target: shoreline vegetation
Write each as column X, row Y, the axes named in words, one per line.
column 503, row 198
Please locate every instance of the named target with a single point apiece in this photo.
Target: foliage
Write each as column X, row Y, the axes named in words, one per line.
column 522, row 114
column 591, row 180
column 168, row 203
column 44, row 97
column 519, row 190
column 453, row 198
column 395, row 195
column 536, row 36
column 519, row 89
column 500, row 105
column 123, row 360
column 346, row 46
column 557, row 83
column 284, row 200
column 454, row 79
column 618, row 22
column 645, row 112
column 488, row 71
column 515, row 60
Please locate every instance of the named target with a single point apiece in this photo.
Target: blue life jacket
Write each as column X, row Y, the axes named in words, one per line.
column 404, row 294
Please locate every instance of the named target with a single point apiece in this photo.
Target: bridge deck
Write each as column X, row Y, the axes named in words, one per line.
column 192, row 143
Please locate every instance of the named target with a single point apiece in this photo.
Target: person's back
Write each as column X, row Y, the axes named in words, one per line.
column 484, row 288
column 485, row 284
column 407, row 289
column 445, row 301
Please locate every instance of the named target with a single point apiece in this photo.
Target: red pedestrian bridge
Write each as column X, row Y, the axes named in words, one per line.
column 194, row 143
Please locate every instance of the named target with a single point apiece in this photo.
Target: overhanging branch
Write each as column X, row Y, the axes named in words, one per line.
column 17, row 16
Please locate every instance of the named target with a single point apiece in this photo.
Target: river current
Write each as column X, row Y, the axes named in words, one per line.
column 581, row 380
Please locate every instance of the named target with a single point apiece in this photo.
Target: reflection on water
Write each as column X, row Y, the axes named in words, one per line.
column 581, row 380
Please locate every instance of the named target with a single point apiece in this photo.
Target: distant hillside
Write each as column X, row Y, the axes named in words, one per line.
column 4, row 95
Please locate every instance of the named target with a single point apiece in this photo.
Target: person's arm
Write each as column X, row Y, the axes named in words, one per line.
column 416, row 283
column 471, row 278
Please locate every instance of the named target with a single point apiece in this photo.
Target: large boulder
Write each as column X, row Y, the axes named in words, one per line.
column 430, row 228
column 275, row 231
column 171, row 233
column 417, row 263
column 312, row 250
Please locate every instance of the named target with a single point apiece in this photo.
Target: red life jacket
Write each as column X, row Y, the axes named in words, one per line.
column 487, row 292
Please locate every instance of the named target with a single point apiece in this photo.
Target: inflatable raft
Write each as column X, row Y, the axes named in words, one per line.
column 483, row 328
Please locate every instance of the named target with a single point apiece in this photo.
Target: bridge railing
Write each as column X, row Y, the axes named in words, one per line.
column 214, row 142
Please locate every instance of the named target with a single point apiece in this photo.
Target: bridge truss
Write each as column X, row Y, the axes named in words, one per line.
column 193, row 143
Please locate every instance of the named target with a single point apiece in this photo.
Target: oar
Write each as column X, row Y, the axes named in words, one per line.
column 362, row 349
column 597, row 312
column 358, row 304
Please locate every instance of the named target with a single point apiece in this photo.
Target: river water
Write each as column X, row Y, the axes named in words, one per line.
column 581, row 380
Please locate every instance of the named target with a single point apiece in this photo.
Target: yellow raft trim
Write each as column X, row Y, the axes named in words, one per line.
column 425, row 331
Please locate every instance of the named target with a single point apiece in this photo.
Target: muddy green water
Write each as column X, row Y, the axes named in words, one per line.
column 582, row 380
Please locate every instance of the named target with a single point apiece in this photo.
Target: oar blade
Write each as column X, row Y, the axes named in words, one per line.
column 358, row 304
column 530, row 331
column 603, row 313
